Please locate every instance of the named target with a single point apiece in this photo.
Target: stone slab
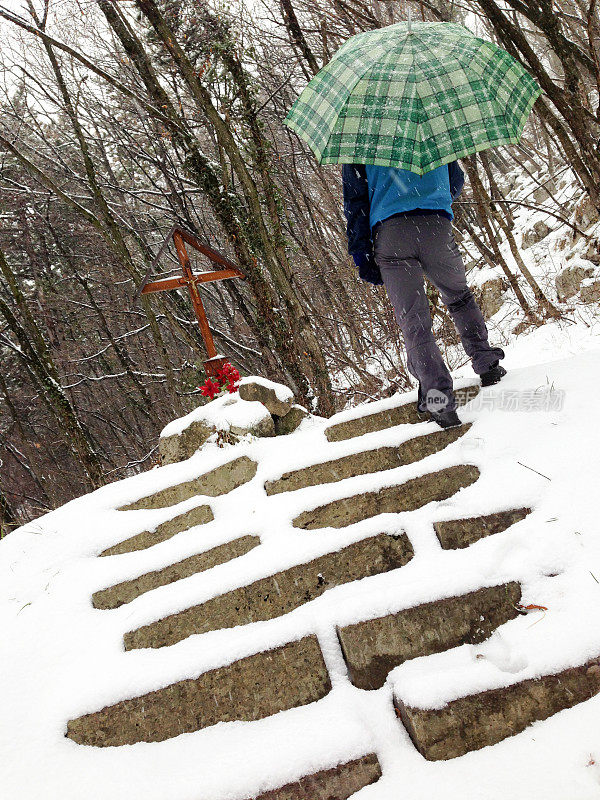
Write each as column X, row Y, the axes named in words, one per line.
column 199, row 515
column 278, row 594
column 365, row 462
column 183, row 445
column 125, row 592
column 407, row 496
column 269, row 396
column 249, row 689
column 455, row 534
column 220, row 480
column 484, row 719
column 337, row 783
column 374, row 647
column 399, row 415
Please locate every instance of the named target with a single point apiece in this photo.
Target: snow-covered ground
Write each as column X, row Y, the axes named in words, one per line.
column 535, row 438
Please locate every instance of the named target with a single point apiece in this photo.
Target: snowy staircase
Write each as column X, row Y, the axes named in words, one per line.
column 296, row 674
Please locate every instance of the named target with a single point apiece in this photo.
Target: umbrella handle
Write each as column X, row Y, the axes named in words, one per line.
column 409, row 19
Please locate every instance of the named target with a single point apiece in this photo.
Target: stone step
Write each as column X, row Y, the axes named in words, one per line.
column 249, row 689
column 399, row 415
column 220, row 480
column 337, row 783
column 484, row 719
column 125, row 592
column 367, row 461
column 406, row 496
column 199, row 515
column 374, row 647
column 278, row 594
column 455, row 534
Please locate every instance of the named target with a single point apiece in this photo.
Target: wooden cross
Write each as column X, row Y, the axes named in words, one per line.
column 190, row 280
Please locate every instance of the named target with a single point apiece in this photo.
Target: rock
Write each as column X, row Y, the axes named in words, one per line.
column 268, row 598
column 542, row 193
column 389, row 417
column 116, row 596
column 491, row 296
column 406, row 496
column 199, row 515
column 274, row 396
column 261, row 425
column 182, row 446
column 568, row 281
column 220, row 480
column 586, row 213
column 480, row 720
column 338, row 783
column 534, row 235
column 374, row 647
column 365, row 462
column 592, row 253
column 225, row 419
column 458, row 533
column 251, row 688
column 590, row 291
column 291, row 421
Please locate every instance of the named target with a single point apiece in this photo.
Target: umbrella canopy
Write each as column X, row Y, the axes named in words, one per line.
column 414, row 98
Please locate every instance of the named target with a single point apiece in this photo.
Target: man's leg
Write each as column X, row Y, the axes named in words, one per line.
column 402, row 273
column 443, row 265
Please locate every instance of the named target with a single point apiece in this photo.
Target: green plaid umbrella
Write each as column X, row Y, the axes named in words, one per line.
column 413, row 98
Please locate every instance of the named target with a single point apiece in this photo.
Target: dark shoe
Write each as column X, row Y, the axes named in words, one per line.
column 492, row 375
column 445, row 419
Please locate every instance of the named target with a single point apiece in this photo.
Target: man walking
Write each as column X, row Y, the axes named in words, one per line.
column 399, row 227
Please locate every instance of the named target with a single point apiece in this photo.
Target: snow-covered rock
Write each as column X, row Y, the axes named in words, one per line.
column 491, row 296
column 534, row 235
column 274, row 396
column 568, row 280
column 248, row 412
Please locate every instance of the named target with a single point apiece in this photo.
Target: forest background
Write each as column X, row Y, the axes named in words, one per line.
column 119, row 119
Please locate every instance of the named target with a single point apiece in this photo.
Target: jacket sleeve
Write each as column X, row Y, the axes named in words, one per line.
column 357, row 208
column 457, row 179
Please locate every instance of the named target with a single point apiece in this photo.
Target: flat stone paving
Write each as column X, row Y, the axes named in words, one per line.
column 337, row 783
column 249, row 689
column 367, row 461
column 484, row 719
column 406, row 496
column 374, row 647
column 278, row 594
column 125, row 592
column 456, row 534
column 221, row 480
column 399, row 415
column 199, row 515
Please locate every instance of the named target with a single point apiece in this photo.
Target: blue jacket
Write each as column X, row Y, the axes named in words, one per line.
column 362, row 215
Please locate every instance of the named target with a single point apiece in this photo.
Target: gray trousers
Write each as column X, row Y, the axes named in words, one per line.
column 405, row 248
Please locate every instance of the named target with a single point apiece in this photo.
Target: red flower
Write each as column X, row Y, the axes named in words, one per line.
column 227, row 379
column 228, row 373
column 210, row 389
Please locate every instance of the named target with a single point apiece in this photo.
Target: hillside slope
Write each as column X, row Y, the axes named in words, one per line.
column 531, row 442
